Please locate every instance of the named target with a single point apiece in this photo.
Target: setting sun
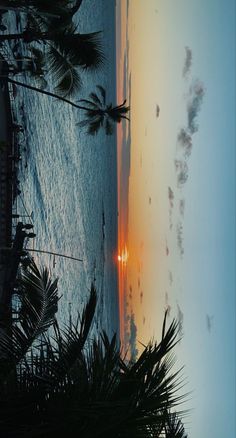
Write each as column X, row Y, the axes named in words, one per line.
column 123, row 257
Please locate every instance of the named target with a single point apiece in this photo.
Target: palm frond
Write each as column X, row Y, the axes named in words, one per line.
column 95, row 99
column 39, row 299
column 35, row 24
column 67, row 78
column 89, row 103
column 83, row 123
column 70, row 343
column 174, row 427
column 117, row 113
column 69, row 84
column 83, row 50
column 109, row 129
column 38, row 56
column 94, row 125
column 103, row 93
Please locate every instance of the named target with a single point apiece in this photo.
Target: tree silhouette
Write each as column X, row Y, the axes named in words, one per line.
column 98, row 114
column 64, row 387
column 64, row 51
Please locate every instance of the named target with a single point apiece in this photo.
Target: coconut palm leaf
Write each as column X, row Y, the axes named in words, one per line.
column 90, row 104
column 84, row 50
column 94, row 97
column 103, row 94
column 97, row 113
column 38, row 56
column 124, row 404
column 35, row 24
column 67, row 78
column 83, row 123
column 154, row 353
column 95, row 125
column 174, row 427
column 118, row 113
column 69, row 84
column 39, row 299
column 109, row 128
column 70, row 343
column 93, row 393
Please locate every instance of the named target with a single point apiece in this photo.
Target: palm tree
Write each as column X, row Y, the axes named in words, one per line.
column 64, row 388
column 99, row 114
column 174, row 427
column 53, row 9
column 65, row 51
column 38, row 296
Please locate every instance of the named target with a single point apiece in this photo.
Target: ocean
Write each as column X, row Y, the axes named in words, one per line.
column 68, row 182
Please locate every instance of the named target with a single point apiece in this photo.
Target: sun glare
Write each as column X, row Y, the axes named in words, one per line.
column 123, row 257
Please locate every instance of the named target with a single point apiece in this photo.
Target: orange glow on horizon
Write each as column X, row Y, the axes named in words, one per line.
column 123, row 257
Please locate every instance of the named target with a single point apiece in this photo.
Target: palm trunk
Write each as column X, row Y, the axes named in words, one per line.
column 11, row 36
column 54, row 253
column 46, row 93
column 28, row 9
column 28, row 36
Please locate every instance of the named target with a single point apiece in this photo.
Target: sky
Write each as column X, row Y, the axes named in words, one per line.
column 176, row 164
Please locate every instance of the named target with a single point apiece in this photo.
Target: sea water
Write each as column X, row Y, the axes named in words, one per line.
column 69, row 182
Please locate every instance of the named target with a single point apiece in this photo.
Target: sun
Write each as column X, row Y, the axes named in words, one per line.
column 123, row 257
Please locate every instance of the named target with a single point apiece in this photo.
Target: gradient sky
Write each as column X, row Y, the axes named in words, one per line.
column 180, row 55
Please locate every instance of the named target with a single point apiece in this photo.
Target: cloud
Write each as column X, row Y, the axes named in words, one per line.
column 181, row 168
column 171, row 197
column 196, row 94
column 170, row 275
column 180, row 238
column 180, row 319
column 184, row 141
column 182, row 207
column 187, row 62
column 209, row 320
column 167, row 249
column 170, row 219
column 184, row 138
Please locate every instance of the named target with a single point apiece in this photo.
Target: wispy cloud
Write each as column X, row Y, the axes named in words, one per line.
column 209, row 320
column 180, row 318
column 180, row 238
column 187, row 62
column 184, row 141
column 181, row 168
column 196, row 94
column 182, row 207
column 170, row 275
column 171, row 197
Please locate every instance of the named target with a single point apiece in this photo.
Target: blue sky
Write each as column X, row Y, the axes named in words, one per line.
column 204, row 276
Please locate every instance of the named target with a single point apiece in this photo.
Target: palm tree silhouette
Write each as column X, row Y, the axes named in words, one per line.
column 64, row 386
column 65, row 51
column 58, row 9
column 99, row 115
column 38, row 296
column 174, row 427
